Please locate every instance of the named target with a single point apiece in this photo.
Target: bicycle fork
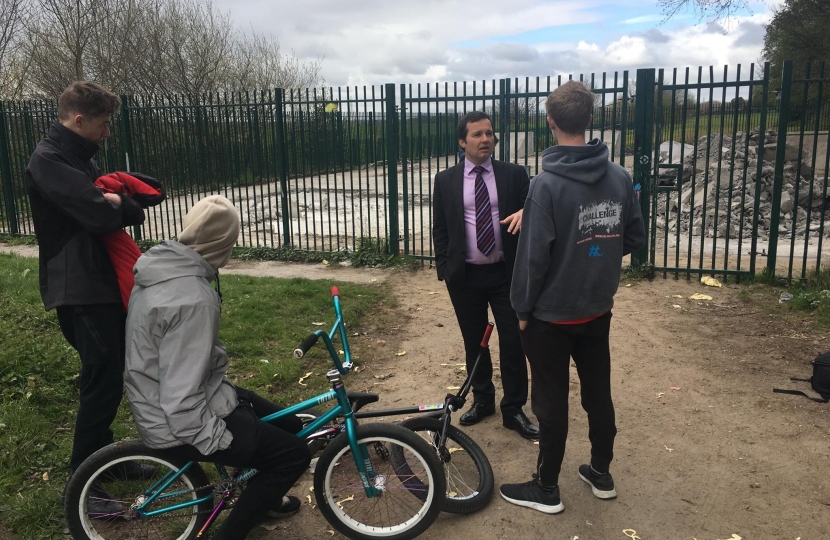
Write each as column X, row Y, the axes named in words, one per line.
column 368, row 476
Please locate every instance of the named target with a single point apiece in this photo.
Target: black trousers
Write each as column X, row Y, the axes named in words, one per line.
column 271, row 448
column 549, row 348
column 488, row 285
column 97, row 333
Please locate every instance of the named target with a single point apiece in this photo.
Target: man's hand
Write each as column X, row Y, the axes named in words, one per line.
column 114, row 198
column 513, row 222
column 522, row 325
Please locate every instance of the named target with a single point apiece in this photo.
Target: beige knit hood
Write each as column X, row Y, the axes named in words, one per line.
column 211, row 229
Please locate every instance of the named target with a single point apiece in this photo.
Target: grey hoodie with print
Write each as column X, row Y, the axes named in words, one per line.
column 175, row 365
column 580, row 217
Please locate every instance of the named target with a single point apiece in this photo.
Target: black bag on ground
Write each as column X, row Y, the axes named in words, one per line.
column 820, row 381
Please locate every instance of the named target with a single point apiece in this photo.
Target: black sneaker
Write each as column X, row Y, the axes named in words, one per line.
column 290, row 506
column 533, row 495
column 601, row 483
column 101, row 505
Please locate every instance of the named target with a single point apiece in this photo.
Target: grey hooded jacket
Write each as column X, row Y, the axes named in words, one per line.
column 175, row 365
column 580, row 218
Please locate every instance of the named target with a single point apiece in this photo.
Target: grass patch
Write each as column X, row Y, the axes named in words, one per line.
column 368, row 253
column 811, row 296
column 637, row 271
column 263, row 319
column 18, row 240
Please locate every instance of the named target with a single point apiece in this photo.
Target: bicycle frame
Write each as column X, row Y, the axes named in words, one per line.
column 341, row 409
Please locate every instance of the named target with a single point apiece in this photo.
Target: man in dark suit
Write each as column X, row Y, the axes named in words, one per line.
column 477, row 214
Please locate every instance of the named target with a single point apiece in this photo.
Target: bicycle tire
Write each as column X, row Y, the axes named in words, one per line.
column 470, row 481
column 100, row 471
column 340, row 495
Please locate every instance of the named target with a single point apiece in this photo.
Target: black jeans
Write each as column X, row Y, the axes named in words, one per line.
column 549, row 348
column 488, row 284
column 271, row 448
column 97, row 333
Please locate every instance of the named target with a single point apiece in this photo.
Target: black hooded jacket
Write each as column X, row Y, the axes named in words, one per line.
column 69, row 214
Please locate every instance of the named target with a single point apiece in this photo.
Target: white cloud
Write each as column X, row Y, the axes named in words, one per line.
column 379, row 41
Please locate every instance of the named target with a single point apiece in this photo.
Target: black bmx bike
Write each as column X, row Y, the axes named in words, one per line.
column 468, row 472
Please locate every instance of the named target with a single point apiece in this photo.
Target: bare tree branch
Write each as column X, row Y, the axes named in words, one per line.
column 706, row 9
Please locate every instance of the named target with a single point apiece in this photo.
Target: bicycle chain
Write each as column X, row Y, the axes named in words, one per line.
column 168, row 515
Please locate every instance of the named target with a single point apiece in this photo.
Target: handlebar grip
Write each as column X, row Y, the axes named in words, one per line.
column 486, row 339
column 307, row 343
column 335, row 291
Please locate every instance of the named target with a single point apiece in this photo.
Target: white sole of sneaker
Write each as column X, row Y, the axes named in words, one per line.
column 547, row 509
column 599, row 494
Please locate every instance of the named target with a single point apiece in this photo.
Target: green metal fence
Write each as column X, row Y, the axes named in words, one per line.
column 727, row 168
column 723, row 186
column 799, row 203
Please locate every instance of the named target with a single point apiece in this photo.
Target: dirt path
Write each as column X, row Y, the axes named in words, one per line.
column 722, row 456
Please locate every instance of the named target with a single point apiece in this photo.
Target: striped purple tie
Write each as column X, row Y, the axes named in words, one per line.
column 485, row 235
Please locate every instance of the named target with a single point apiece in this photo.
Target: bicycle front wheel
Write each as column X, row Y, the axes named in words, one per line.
column 397, row 456
column 467, row 469
column 103, row 495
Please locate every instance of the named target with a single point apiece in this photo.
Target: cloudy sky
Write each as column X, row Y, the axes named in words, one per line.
column 379, row 41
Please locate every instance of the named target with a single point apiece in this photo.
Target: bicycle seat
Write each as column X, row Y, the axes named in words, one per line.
column 361, row 399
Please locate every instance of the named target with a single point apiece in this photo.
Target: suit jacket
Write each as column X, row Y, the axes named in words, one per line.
column 448, row 229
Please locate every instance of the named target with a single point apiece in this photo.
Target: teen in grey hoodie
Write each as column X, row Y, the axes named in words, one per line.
column 580, row 218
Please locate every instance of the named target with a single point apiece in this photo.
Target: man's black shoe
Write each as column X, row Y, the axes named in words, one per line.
column 477, row 413
column 101, row 505
column 521, row 423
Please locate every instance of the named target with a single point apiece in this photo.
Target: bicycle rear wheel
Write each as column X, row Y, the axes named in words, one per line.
column 100, row 501
column 396, row 513
column 468, row 471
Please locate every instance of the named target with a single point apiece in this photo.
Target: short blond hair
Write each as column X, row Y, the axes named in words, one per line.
column 570, row 106
column 89, row 99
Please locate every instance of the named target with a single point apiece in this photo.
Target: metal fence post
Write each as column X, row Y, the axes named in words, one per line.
column 404, row 156
column 504, row 119
column 756, row 208
column 781, row 147
column 125, row 125
column 6, row 173
column 282, row 154
column 624, row 120
column 643, row 150
column 392, row 167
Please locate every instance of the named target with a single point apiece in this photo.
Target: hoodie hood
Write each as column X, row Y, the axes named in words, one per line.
column 587, row 163
column 170, row 260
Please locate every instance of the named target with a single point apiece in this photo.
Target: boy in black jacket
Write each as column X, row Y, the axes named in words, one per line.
column 76, row 275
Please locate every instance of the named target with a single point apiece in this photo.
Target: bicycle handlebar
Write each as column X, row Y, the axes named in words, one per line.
column 307, row 343
column 486, row 339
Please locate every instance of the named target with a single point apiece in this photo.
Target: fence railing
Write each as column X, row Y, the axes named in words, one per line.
column 322, row 169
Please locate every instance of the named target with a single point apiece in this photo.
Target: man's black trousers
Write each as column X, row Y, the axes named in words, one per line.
column 271, row 448
column 97, row 333
column 485, row 285
column 549, row 349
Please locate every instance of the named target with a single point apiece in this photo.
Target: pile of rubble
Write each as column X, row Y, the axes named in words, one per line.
column 720, row 180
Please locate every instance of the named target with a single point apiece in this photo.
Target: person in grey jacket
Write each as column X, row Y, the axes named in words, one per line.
column 580, row 218
column 175, row 371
